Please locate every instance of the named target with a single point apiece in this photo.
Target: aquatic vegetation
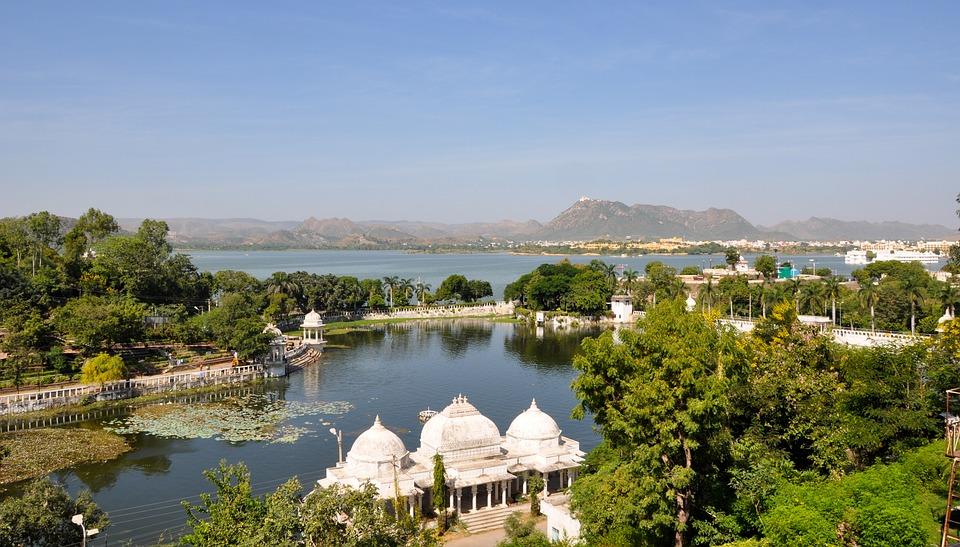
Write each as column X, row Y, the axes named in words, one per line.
column 237, row 419
column 39, row 452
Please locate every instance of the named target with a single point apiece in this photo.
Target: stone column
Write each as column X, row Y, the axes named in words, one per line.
column 570, row 473
column 459, row 498
column 473, row 492
column 490, row 487
column 546, row 483
column 410, row 504
column 450, row 505
column 524, row 483
column 503, row 493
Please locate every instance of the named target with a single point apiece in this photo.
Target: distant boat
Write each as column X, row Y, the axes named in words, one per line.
column 860, row 256
column 426, row 415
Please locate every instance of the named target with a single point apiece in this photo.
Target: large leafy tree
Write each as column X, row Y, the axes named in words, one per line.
column 94, row 323
column 660, row 400
column 235, row 516
column 102, row 368
column 40, row 516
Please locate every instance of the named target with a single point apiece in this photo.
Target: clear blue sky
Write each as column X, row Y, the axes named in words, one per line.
column 457, row 111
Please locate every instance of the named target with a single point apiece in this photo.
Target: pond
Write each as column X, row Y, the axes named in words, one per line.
column 394, row 371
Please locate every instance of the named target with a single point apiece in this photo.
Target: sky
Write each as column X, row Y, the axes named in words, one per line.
column 459, row 111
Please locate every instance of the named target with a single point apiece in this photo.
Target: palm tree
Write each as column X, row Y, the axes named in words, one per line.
column 609, row 270
column 421, row 290
column 794, row 286
column 833, row 288
column 913, row 290
column 811, row 296
column 406, row 288
column 389, row 284
column 707, row 293
column 948, row 294
column 284, row 283
column 629, row 276
column 868, row 294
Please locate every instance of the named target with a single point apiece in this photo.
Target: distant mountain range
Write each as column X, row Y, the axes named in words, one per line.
column 587, row 219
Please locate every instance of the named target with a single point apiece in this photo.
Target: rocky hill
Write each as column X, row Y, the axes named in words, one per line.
column 594, row 218
column 815, row 228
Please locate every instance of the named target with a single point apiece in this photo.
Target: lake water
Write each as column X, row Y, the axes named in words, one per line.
column 497, row 268
column 394, row 371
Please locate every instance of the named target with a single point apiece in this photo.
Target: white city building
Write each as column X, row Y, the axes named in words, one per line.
column 483, row 468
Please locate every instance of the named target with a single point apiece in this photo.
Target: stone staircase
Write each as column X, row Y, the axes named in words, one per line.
column 489, row 518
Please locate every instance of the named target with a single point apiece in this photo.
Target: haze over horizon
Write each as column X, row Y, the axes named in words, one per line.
column 449, row 113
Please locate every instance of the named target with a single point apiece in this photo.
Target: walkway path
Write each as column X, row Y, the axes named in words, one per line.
column 488, row 539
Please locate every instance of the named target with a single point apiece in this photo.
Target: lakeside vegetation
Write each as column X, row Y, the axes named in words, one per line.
column 81, row 291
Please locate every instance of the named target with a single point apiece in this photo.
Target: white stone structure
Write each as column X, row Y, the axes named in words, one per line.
column 561, row 524
column 483, row 468
column 622, row 307
column 313, row 329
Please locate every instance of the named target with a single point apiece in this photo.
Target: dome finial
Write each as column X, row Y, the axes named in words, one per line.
column 533, row 403
column 376, row 421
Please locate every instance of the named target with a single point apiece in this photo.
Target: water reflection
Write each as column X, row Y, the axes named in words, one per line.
column 546, row 348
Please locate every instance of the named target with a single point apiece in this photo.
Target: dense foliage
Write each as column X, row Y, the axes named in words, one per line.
column 564, row 286
column 41, row 516
column 777, row 437
column 338, row 515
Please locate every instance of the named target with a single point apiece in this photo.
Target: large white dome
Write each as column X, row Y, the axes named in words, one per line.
column 532, row 431
column 459, row 431
column 375, row 451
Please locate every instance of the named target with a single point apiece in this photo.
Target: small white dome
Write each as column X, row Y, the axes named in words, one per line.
column 533, row 424
column 312, row 320
column 459, row 431
column 376, row 450
column 272, row 330
column 533, row 430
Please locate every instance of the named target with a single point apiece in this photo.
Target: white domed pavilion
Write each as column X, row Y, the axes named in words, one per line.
column 313, row 329
column 483, row 468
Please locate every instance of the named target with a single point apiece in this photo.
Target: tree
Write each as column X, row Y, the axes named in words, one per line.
column 94, row 323
column 44, row 232
column 913, row 289
column 235, row 516
column 833, row 289
column 422, row 291
column 454, row 287
column 658, row 398
column 40, row 516
column 629, row 277
column 357, row 517
column 522, row 532
column 589, row 293
column 439, row 495
column 731, row 257
column 766, row 265
column 103, row 368
column 948, row 294
column 390, row 284
column 867, row 294
column 691, row 270
column 536, row 486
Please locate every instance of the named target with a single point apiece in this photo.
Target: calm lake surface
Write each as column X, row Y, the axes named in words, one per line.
column 394, row 371
column 497, row 268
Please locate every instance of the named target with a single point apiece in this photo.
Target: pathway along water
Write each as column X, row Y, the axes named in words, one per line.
column 394, row 370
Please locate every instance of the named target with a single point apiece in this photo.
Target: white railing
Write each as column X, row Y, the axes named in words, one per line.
column 43, row 399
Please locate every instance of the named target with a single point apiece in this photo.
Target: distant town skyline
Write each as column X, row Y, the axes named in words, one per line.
column 455, row 113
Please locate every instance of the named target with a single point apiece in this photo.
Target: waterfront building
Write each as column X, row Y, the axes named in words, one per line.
column 313, row 329
column 483, row 468
column 622, row 307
